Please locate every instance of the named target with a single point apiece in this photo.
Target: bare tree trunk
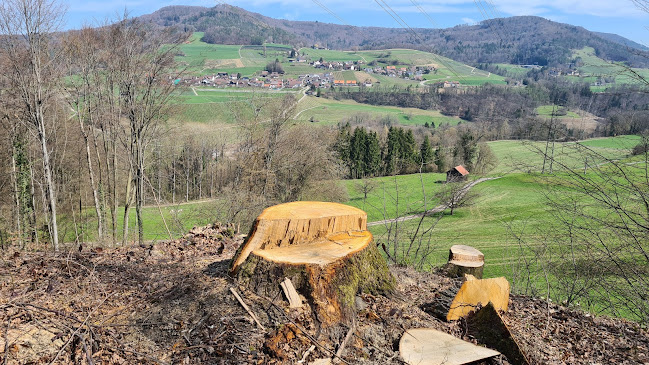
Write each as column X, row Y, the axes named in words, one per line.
column 51, row 194
column 139, row 188
column 115, row 202
column 34, row 229
column 18, row 213
column 127, row 206
column 95, row 195
column 173, row 168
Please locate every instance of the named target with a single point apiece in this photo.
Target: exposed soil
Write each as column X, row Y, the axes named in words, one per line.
column 171, row 304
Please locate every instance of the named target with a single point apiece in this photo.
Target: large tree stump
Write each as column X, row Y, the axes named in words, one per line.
column 323, row 248
column 465, row 260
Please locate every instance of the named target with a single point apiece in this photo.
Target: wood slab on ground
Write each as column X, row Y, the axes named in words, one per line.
column 479, row 292
column 427, row 346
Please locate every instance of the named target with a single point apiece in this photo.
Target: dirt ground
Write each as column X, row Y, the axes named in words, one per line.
column 171, row 304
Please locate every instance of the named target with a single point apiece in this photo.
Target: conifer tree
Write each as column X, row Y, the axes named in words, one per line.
column 426, row 153
column 372, row 155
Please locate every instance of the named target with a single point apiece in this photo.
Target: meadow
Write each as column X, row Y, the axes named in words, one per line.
column 547, row 110
column 331, row 112
column 594, row 67
column 200, row 58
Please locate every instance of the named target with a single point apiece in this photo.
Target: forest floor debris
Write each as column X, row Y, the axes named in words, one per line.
column 170, row 303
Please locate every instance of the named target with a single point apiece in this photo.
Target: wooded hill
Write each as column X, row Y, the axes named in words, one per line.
column 516, row 40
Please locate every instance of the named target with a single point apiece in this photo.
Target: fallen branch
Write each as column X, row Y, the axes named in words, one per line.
column 243, row 304
column 348, row 337
column 306, row 354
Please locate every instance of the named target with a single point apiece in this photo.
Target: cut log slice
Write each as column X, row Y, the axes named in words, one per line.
column 476, row 292
column 465, row 260
column 427, row 346
column 323, row 248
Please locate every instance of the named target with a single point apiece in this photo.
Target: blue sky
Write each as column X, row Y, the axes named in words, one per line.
column 621, row 17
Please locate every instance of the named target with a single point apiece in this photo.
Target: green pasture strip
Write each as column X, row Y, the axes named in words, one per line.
column 180, row 218
column 527, row 156
column 514, row 70
column 595, row 66
column 395, row 196
column 330, row 55
column 546, row 110
column 626, row 142
column 331, row 112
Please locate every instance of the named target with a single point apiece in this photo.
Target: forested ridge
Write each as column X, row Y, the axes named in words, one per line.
column 516, row 40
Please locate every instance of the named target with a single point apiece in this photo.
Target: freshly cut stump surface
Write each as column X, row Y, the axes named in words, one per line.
column 464, row 259
column 323, row 248
column 427, row 346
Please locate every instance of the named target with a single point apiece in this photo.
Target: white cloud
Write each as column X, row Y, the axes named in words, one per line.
column 469, row 21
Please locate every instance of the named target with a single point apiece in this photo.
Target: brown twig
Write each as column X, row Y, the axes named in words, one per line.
column 6, row 357
column 86, row 350
column 348, row 337
column 243, row 304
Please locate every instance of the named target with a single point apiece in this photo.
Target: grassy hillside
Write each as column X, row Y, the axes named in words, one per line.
column 200, row 58
column 593, row 67
column 331, row 112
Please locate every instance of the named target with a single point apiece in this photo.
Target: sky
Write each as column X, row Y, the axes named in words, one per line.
column 621, row 17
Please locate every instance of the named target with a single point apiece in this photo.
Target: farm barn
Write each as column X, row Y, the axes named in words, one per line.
column 458, row 173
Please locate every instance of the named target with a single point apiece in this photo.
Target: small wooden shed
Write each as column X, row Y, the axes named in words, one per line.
column 458, row 173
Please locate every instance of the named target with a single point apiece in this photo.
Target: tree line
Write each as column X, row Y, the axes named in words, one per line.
column 80, row 110
column 394, row 150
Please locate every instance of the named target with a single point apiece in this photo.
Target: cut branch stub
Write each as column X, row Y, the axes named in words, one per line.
column 323, row 248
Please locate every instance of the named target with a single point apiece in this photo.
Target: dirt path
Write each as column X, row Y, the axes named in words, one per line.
column 437, row 209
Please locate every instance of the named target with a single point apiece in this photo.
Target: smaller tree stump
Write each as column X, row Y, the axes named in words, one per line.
column 465, row 260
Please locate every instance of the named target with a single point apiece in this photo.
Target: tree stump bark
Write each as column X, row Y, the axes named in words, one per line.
column 323, row 248
column 465, row 260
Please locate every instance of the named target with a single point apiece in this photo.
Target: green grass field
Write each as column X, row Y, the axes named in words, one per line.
column 546, row 111
column 595, row 66
column 619, row 142
column 331, row 112
column 513, row 70
column 200, row 58
column 512, row 200
column 526, row 156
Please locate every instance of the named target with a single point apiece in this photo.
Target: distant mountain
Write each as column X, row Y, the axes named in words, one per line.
column 518, row 40
column 623, row 41
column 222, row 24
